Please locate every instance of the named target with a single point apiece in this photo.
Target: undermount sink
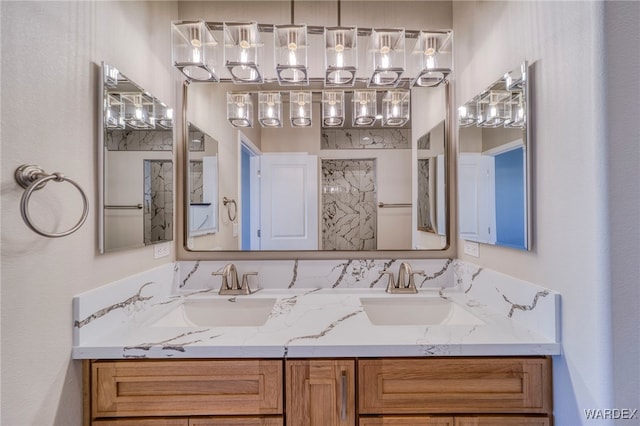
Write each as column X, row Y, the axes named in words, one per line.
column 227, row 312
column 416, row 311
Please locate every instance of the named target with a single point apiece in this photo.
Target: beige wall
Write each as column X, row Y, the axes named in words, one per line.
column 51, row 52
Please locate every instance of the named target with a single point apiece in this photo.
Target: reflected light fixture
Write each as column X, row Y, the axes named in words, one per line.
column 364, row 107
column 300, row 108
column 114, row 112
column 341, row 56
column 468, row 113
column 242, row 45
column 290, row 47
column 240, row 109
column 139, row 110
column 387, row 56
column 164, row 116
column 395, row 107
column 515, row 116
column 111, row 75
column 270, row 109
column 193, row 49
column 332, row 109
column 491, row 108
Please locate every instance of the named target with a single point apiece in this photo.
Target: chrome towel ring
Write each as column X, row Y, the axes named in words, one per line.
column 225, row 202
column 32, row 178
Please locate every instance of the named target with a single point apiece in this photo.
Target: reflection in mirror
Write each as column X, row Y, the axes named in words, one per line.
column 317, row 188
column 494, row 165
column 135, row 165
column 203, row 183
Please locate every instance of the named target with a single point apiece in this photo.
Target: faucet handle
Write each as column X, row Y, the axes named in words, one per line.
column 245, row 282
column 390, row 284
column 225, row 281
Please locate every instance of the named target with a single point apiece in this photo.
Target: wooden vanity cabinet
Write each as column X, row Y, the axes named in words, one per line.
column 320, row 392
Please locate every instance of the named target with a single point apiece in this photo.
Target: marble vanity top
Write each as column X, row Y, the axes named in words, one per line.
column 303, row 322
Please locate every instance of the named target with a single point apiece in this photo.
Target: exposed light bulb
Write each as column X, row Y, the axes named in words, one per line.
column 462, row 111
column 384, row 61
column 170, row 113
column 431, row 62
column 244, row 56
column 139, row 113
column 339, row 58
column 395, row 111
column 195, row 54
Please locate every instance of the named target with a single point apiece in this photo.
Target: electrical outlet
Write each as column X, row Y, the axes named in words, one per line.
column 235, row 229
column 472, row 248
column 161, row 250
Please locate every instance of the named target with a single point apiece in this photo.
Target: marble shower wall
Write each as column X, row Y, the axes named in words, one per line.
column 158, row 201
column 365, row 138
column 349, row 219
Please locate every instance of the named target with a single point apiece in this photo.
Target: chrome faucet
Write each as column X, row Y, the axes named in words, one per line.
column 230, row 284
column 403, row 285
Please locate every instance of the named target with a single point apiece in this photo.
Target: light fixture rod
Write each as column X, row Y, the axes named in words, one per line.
column 339, row 14
column 292, row 12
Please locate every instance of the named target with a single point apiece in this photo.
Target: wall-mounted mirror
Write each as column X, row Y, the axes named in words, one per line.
column 494, row 163
column 135, row 151
column 318, row 188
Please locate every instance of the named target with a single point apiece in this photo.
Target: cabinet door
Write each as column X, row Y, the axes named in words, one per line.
column 502, row 421
column 455, row 385
column 186, row 388
column 237, row 421
column 142, row 422
column 320, row 392
column 407, row 421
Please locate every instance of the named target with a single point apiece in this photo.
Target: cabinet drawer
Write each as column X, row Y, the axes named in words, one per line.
column 142, row 422
column 454, row 385
column 407, row 421
column 237, row 421
column 502, row 421
column 186, row 388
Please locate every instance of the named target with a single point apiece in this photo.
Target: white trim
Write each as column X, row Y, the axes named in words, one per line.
column 505, row 147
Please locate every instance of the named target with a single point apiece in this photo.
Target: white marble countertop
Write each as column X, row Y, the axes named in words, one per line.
column 308, row 322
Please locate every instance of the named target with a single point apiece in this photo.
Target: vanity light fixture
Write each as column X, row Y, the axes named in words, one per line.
column 193, row 50
column 270, row 109
column 515, row 116
column 300, row 108
column 240, row 109
column 387, row 57
column 395, row 106
column 111, row 75
column 332, row 108
column 290, row 47
column 491, row 108
column 365, row 107
column 341, row 56
column 114, row 112
column 138, row 110
column 426, row 53
column 242, row 45
column 468, row 113
column 164, row 116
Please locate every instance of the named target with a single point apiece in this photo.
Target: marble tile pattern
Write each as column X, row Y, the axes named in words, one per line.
column 349, row 214
column 317, row 313
column 195, row 180
column 139, row 140
column 158, row 201
column 365, row 138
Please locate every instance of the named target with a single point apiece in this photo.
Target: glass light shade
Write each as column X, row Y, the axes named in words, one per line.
column 491, row 108
column 139, row 110
column 468, row 114
column 114, row 112
column 515, row 111
column 387, row 57
column 395, row 107
column 242, row 44
column 300, row 108
column 290, row 47
column 365, row 107
column 332, row 109
column 240, row 109
column 514, row 80
column 193, row 49
column 111, row 75
column 164, row 116
column 270, row 109
column 341, row 56
column 426, row 53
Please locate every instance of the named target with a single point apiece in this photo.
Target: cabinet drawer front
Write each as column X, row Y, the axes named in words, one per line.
column 502, row 421
column 142, row 422
column 407, row 421
column 237, row 421
column 166, row 388
column 454, row 385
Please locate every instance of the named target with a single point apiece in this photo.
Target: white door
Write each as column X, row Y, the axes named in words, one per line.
column 476, row 202
column 289, row 202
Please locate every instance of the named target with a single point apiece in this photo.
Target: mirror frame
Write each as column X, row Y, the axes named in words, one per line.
column 525, row 69
column 183, row 252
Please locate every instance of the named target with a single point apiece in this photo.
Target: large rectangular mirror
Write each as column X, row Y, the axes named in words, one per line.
column 135, row 151
column 494, row 163
column 317, row 188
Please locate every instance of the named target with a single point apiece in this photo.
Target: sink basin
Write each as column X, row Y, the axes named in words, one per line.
column 231, row 312
column 416, row 311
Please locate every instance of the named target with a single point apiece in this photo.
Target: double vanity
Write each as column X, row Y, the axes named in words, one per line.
column 324, row 331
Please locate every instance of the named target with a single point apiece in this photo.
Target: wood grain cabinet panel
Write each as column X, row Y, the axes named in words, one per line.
column 320, row 393
column 407, row 421
column 186, row 388
column 237, row 421
column 502, row 421
column 454, row 385
column 143, row 422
